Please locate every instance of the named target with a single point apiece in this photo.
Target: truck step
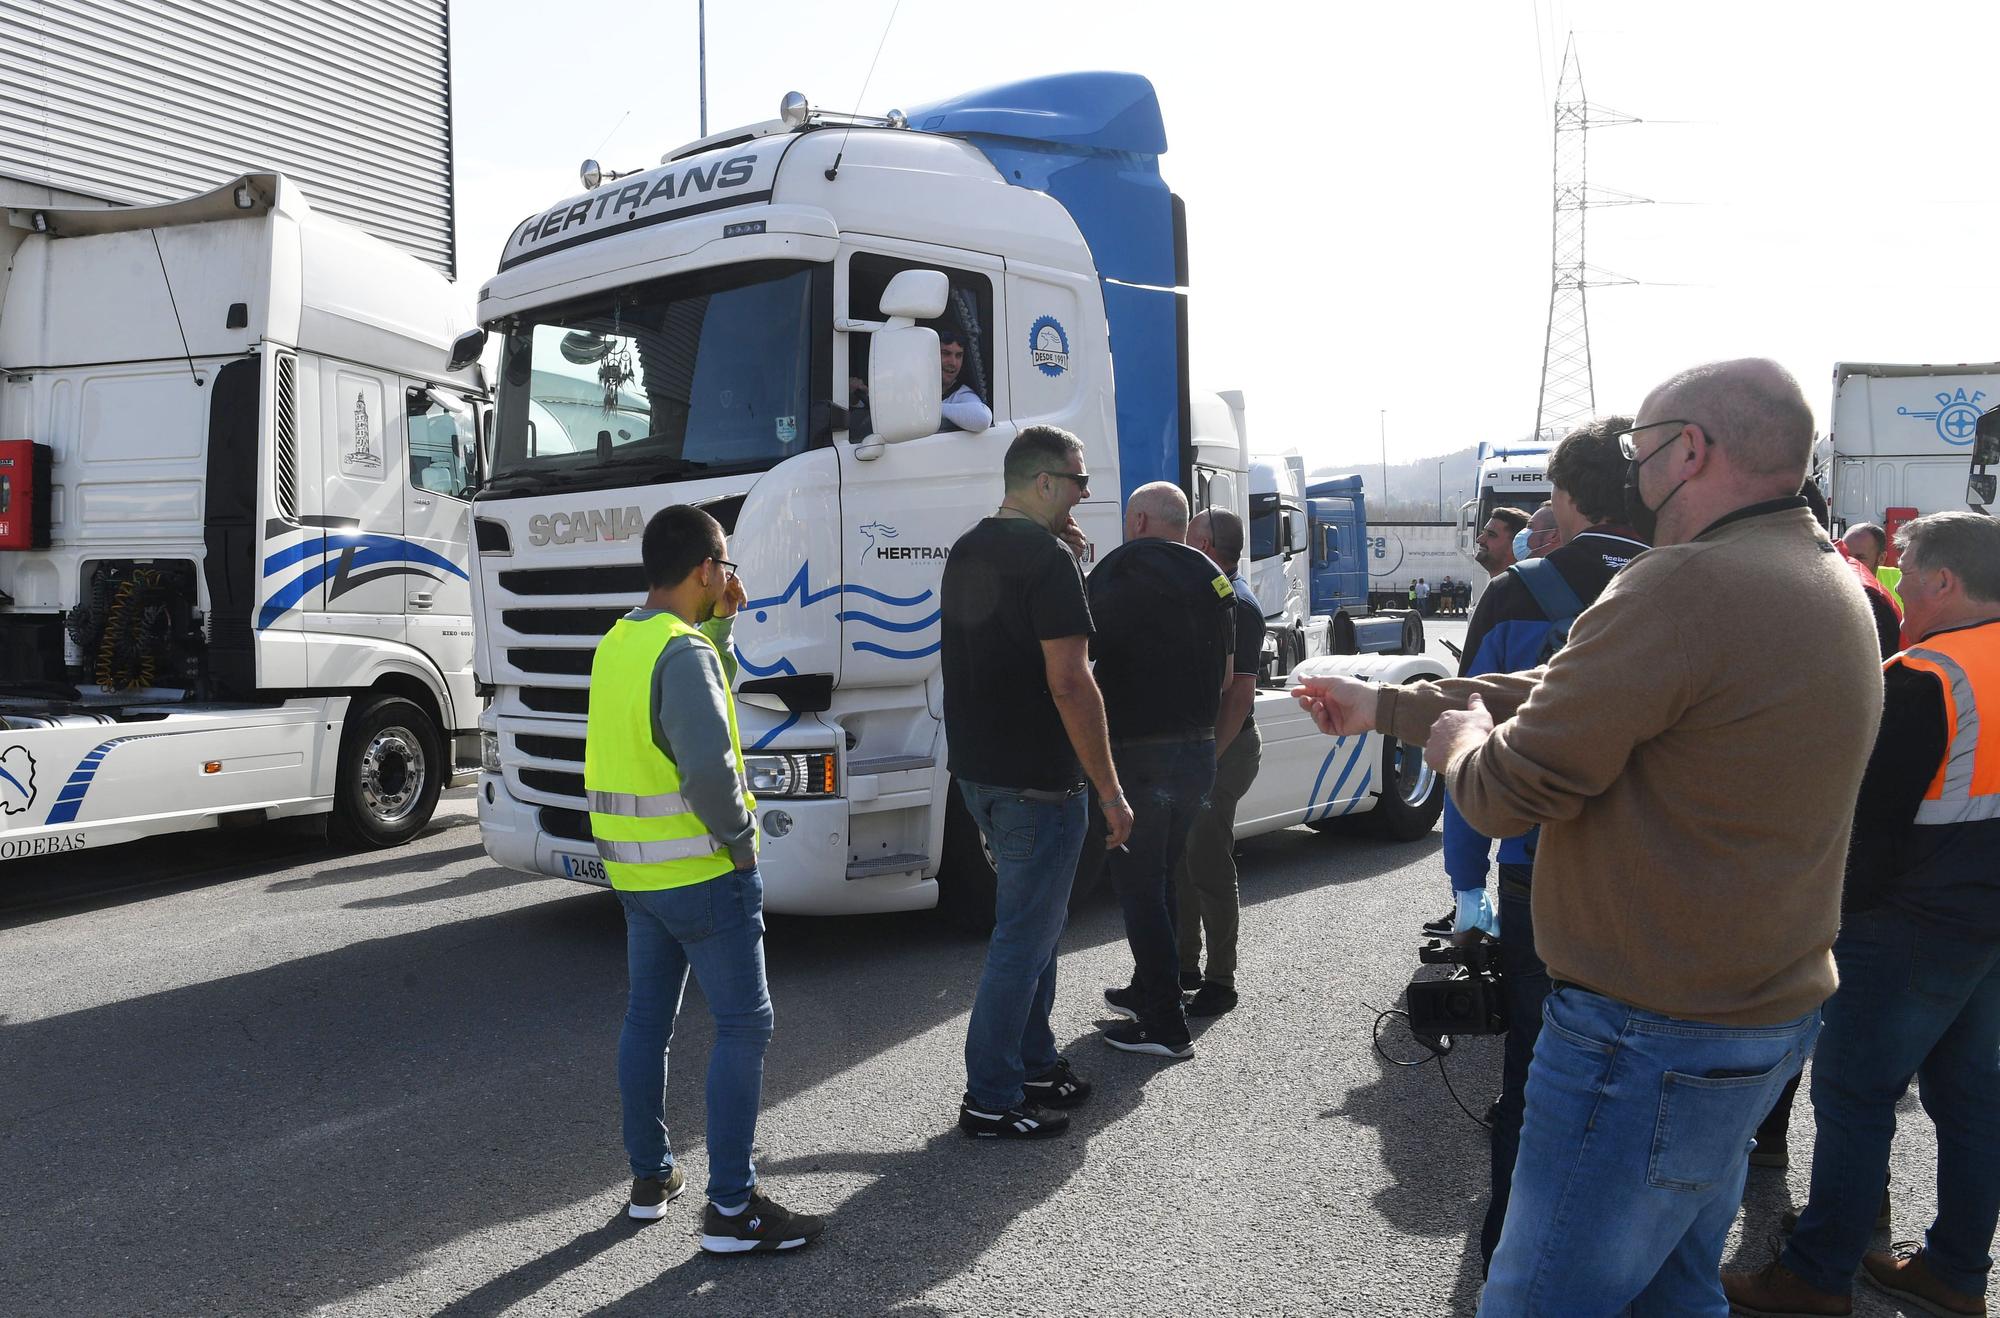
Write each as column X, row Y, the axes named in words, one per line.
column 899, row 864
column 890, row 764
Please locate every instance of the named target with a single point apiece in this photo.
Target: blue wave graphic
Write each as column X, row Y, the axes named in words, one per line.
column 873, row 648
column 353, row 551
column 1312, row 798
column 854, row 615
column 70, row 799
column 799, row 591
column 791, row 721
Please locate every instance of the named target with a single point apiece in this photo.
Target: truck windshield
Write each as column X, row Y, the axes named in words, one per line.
column 1264, row 518
column 709, row 374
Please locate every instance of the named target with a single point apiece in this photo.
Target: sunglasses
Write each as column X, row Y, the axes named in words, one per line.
column 1082, row 479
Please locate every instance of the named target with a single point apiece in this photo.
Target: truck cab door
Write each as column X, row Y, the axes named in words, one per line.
column 442, row 438
column 901, row 509
column 359, row 595
column 1339, row 570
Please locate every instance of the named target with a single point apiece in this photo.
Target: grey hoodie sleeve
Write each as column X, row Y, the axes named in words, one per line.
column 691, row 728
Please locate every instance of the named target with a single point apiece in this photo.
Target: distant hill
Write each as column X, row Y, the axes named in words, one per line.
column 1413, row 487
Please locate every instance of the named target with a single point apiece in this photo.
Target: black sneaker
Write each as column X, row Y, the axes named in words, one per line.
column 1023, row 1121
column 1057, row 1087
column 1190, row 980
column 1212, row 1000
column 1443, row 925
column 1123, row 1002
column 1137, row 1038
column 763, row 1225
column 650, row 1195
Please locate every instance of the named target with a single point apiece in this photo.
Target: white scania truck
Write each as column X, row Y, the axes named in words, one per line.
column 687, row 335
column 234, row 482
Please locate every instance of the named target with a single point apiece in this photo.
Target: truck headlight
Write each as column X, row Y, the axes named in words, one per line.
column 811, row 774
column 489, row 751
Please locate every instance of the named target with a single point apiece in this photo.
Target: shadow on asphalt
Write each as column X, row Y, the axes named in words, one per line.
column 1439, row 1158
column 293, row 1136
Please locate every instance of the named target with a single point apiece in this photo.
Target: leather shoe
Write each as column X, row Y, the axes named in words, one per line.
column 1910, row 1279
column 1778, row 1292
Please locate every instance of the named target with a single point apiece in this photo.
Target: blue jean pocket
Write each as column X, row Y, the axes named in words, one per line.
column 687, row 912
column 1703, row 1132
column 1013, row 827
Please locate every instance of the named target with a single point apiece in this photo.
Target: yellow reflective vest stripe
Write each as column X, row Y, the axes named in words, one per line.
column 646, row 834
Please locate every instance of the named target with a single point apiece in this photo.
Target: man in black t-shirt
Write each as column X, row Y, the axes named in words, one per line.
column 1025, row 725
column 1165, row 627
column 1205, row 882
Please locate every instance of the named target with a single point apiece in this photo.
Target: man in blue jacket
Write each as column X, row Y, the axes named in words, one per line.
column 1521, row 620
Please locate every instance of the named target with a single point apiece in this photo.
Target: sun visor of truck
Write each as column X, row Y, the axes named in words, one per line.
column 1090, row 140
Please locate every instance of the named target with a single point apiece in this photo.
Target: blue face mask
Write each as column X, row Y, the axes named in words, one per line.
column 1521, row 545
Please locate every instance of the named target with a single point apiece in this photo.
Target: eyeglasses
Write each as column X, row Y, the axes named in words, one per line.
column 1082, row 479
column 1630, row 447
column 724, row 564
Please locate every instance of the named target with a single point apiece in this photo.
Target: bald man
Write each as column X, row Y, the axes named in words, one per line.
column 1695, row 801
column 1164, row 641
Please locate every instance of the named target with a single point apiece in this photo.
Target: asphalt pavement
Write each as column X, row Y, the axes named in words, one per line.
column 246, row 1075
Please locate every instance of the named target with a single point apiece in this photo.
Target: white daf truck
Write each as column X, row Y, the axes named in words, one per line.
column 688, row 334
column 1510, row 476
column 1901, row 440
column 234, row 480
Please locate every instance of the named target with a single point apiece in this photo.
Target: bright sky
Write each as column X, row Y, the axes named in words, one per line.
column 1368, row 187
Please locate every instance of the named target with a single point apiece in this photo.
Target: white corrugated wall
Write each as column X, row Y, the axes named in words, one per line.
column 151, row 100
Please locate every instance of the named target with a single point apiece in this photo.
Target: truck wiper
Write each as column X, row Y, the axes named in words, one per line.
column 516, row 484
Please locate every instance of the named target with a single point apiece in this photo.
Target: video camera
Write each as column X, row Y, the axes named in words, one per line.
column 1466, row 1001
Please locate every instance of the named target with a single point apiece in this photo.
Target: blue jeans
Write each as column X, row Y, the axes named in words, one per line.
column 1166, row 783
column 1633, row 1152
column 1524, row 981
column 717, row 928
column 1913, row 1002
column 1035, row 844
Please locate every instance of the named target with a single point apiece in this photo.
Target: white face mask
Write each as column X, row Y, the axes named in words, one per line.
column 1521, row 545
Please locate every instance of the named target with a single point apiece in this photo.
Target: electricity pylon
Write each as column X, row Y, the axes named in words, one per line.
column 1569, row 395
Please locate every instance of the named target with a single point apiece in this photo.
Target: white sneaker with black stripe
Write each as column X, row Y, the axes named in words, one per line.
column 1024, row 1121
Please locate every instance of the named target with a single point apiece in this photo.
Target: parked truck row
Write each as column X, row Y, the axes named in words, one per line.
column 264, row 553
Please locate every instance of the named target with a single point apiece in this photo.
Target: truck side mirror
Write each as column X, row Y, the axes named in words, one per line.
column 917, row 294
column 466, row 349
column 1295, row 525
column 903, row 391
column 1980, row 492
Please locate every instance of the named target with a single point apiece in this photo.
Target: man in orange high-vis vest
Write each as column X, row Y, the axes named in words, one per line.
column 1918, row 955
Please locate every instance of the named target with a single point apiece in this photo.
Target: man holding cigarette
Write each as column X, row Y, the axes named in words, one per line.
column 1165, row 632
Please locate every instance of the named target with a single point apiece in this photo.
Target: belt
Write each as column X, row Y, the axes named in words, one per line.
column 1189, row 737
column 1044, row 794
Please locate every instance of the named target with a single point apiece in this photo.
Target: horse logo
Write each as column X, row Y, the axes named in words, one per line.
column 874, row 529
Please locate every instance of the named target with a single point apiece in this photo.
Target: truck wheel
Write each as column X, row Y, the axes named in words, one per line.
column 967, row 880
column 1413, row 634
column 1412, row 794
column 391, row 769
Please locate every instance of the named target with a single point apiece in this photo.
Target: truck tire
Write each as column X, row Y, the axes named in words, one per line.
column 1412, row 794
column 1413, row 634
column 967, row 880
column 391, row 768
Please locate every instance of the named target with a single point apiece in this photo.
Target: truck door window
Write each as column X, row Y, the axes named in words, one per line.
column 968, row 311
column 442, row 436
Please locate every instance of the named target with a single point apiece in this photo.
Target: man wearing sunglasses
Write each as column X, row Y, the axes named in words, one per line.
column 1025, row 725
column 1692, row 755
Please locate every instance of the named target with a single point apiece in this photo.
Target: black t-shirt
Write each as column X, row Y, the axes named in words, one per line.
column 1249, row 629
column 1165, row 627
column 1008, row 586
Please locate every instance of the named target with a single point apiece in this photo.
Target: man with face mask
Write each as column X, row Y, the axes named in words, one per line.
column 671, row 815
column 1695, row 799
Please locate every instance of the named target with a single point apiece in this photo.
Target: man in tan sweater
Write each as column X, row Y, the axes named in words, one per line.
column 1693, row 756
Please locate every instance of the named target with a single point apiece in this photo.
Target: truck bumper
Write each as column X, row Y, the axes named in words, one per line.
column 804, row 870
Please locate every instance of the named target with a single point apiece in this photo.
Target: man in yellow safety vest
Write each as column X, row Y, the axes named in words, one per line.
column 671, row 814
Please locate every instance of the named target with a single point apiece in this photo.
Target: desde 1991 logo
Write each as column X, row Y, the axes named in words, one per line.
column 1048, row 346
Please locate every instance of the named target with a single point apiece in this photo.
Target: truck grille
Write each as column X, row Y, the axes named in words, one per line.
column 561, row 663
column 554, row 783
column 628, row 580
column 571, row 824
column 544, row 747
column 556, row 700
column 560, row 622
